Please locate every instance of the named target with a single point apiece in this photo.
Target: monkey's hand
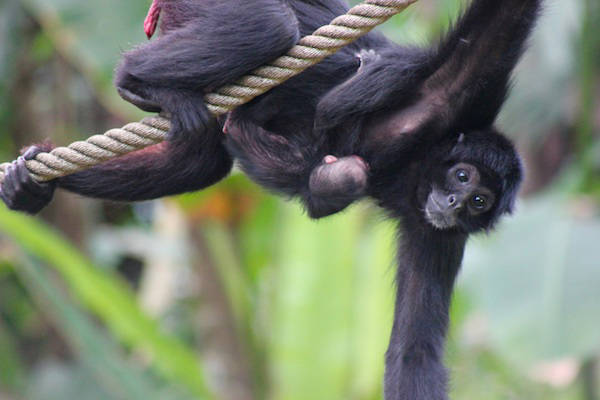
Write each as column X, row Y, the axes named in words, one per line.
column 366, row 57
column 335, row 184
column 19, row 191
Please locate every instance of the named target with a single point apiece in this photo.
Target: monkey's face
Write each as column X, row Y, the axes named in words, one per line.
column 460, row 198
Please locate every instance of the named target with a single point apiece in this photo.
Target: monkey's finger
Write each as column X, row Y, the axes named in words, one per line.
column 22, row 171
column 31, row 152
column 9, row 185
column 26, row 182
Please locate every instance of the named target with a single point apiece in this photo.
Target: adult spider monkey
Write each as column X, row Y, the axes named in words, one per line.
column 409, row 127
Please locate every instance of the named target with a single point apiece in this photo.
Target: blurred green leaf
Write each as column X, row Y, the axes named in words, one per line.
column 537, row 280
column 92, row 32
column 539, row 98
column 109, row 298
column 258, row 237
column 97, row 353
column 372, row 299
column 12, row 369
column 12, row 20
column 92, row 35
column 235, row 283
column 324, row 342
column 54, row 379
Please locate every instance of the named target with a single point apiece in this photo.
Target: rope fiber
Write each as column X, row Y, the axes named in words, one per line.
column 310, row 50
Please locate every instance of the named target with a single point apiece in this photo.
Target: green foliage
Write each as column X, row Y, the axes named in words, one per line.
column 538, row 279
column 109, row 298
column 331, row 310
column 92, row 36
column 310, row 302
column 97, row 353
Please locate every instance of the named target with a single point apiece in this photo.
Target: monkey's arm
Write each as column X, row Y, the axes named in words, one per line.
column 474, row 61
column 428, row 263
column 460, row 84
column 384, row 78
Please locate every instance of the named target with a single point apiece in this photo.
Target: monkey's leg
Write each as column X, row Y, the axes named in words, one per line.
column 171, row 167
column 224, row 40
column 382, row 74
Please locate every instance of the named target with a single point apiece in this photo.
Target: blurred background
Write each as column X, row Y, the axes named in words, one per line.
column 234, row 294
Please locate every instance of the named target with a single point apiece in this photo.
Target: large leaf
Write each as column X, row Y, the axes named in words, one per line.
column 547, row 72
column 331, row 308
column 92, row 35
column 538, row 279
column 94, row 32
column 11, row 19
column 11, row 364
column 99, row 355
column 109, row 298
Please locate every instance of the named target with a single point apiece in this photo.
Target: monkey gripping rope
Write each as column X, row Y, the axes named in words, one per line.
column 309, row 51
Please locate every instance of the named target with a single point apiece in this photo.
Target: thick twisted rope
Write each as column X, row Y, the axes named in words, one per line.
column 309, row 51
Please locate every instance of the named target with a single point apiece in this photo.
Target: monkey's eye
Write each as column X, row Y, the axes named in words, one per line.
column 479, row 202
column 462, row 176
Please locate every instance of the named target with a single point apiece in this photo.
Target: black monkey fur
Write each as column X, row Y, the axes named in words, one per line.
column 409, row 127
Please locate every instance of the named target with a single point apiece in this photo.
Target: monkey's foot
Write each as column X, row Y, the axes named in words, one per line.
column 19, row 191
column 367, row 57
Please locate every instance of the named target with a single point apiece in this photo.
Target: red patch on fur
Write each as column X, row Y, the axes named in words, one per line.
column 151, row 20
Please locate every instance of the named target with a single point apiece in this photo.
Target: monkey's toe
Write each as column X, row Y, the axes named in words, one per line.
column 330, row 159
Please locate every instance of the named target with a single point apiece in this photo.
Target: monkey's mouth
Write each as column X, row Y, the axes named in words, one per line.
column 439, row 221
column 151, row 20
column 437, row 216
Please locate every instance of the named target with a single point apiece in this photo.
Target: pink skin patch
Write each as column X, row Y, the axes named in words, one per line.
column 329, row 159
column 151, row 20
column 227, row 124
column 362, row 161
